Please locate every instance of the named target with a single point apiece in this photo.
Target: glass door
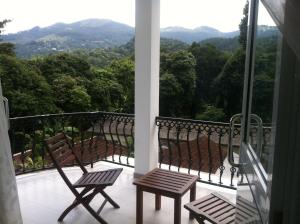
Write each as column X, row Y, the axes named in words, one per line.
column 259, row 115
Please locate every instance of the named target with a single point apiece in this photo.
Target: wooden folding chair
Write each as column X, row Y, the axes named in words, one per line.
column 218, row 210
column 92, row 183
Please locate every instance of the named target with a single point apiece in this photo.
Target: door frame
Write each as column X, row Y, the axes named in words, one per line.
column 285, row 180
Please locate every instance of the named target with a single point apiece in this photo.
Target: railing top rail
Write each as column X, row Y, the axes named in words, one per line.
column 73, row 114
column 191, row 121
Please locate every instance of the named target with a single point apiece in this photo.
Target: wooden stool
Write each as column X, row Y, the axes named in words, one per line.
column 164, row 183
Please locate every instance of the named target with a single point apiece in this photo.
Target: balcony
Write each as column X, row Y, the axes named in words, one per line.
column 106, row 140
column 43, row 196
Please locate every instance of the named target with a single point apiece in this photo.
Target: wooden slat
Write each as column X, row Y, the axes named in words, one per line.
column 55, row 138
column 201, row 204
column 218, row 210
column 213, row 205
column 60, row 150
column 57, row 145
column 166, row 181
column 205, row 198
column 68, row 160
column 64, row 155
column 107, row 177
column 226, row 215
column 228, row 220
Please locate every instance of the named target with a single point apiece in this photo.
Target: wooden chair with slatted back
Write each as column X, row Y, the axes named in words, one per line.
column 61, row 152
column 216, row 209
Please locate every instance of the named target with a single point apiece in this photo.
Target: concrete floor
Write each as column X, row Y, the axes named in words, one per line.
column 44, row 196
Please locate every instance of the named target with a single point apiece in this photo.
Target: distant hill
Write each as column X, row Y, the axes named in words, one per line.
column 86, row 34
column 265, row 34
column 100, row 33
column 195, row 35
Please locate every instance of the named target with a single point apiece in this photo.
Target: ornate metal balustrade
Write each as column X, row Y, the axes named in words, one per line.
column 95, row 136
column 193, row 146
column 201, row 148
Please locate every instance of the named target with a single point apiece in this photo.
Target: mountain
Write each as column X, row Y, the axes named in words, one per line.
column 195, row 35
column 86, row 34
column 101, row 33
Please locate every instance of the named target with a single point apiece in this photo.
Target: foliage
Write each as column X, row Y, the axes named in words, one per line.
column 7, row 49
column 223, row 44
column 70, row 96
column 202, row 80
column 211, row 113
column 244, row 26
column 27, row 90
column 3, row 24
column 228, row 86
column 181, row 65
column 99, row 57
column 170, row 90
column 206, row 71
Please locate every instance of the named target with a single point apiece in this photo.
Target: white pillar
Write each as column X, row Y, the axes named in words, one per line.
column 147, row 48
column 9, row 201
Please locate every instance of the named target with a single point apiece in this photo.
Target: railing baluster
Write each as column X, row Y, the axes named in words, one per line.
column 118, row 137
column 189, row 148
column 199, row 152
column 126, row 140
column 112, row 138
column 169, row 147
column 222, row 168
column 161, row 155
column 232, row 171
column 132, row 135
column 43, row 144
column 33, row 146
column 102, row 126
column 23, row 150
column 91, row 144
column 178, row 130
column 209, row 154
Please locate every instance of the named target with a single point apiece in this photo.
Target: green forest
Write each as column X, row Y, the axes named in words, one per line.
column 203, row 80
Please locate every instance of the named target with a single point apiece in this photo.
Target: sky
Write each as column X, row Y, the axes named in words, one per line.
column 224, row 15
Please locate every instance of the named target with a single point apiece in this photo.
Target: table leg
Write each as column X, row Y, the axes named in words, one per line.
column 177, row 210
column 157, row 202
column 192, row 196
column 139, row 206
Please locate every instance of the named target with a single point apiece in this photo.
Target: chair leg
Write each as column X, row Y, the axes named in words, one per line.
column 93, row 213
column 73, row 205
column 111, row 201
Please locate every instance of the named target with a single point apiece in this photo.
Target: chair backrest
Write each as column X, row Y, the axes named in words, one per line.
column 60, row 150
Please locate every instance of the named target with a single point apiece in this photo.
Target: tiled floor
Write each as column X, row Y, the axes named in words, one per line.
column 44, row 195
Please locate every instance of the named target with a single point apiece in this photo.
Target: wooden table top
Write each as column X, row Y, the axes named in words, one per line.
column 166, row 181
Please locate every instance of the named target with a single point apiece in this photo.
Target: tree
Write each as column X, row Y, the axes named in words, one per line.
column 244, row 26
column 228, row 86
column 3, row 24
column 105, row 91
column 53, row 66
column 211, row 113
column 7, row 48
column 181, row 65
column 170, row 90
column 209, row 64
column 26, row 89
column 123, row 71
column 69, row 96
